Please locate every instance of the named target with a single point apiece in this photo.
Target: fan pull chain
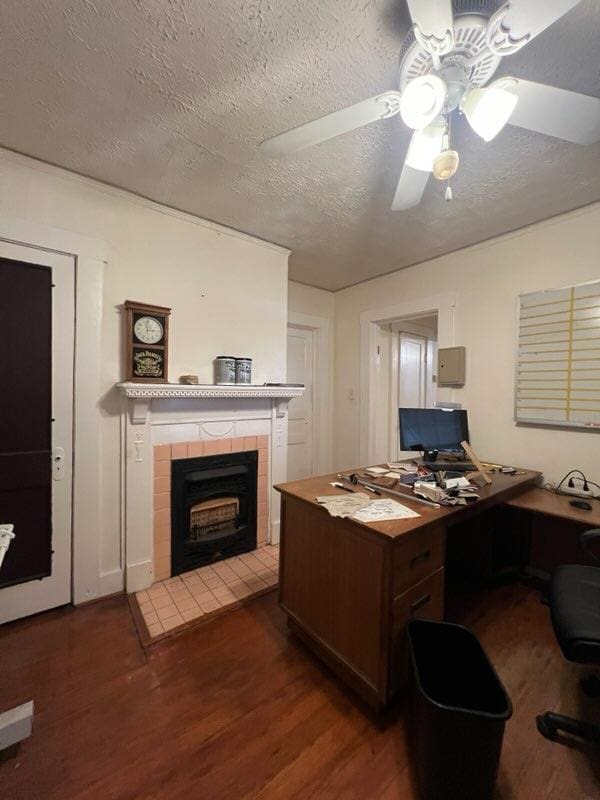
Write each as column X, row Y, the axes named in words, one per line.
column 448, row 194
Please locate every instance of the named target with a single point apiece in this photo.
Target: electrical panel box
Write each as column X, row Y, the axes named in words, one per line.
column 451, row 366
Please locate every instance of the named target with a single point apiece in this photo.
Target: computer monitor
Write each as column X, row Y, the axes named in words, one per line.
column 433, row 429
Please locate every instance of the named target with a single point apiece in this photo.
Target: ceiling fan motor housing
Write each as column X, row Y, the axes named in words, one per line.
column 470, row 53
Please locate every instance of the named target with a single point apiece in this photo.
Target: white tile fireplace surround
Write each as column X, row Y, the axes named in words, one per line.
column 176, row 414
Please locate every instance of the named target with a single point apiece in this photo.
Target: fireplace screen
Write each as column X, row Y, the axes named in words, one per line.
column 213, row 508
column 218, row 514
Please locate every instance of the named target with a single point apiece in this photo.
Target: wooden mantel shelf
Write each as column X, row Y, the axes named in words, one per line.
column 142, row 394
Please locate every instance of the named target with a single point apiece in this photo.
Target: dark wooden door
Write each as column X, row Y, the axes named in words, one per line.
column 25, row 418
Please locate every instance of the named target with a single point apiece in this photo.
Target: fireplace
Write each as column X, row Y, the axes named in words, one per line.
column 213, row 508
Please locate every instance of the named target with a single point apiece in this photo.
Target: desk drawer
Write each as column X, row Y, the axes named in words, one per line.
column 416, row 558
column 425, row 600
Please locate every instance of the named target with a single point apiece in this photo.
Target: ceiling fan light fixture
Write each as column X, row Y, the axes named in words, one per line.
column 488, row 110
column 422, row 101
column 445, row 165
column 425, row 145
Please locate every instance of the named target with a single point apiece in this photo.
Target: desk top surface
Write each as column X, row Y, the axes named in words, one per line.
column 502, row 488
column 541, row 501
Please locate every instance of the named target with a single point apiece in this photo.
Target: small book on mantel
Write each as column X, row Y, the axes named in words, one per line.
column 288, row 385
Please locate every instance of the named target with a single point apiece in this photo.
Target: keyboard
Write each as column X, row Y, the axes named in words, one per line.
column 450, row 466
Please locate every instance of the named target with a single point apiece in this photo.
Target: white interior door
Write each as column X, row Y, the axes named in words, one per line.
column 53, row 589
column 300, row 369
column 412, row 371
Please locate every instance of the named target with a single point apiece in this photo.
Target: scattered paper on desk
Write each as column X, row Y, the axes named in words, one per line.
column 457, row 483
column 396, row 475
column 406, row 466
column 382, row 510
column 344, row 505
column 376, row 470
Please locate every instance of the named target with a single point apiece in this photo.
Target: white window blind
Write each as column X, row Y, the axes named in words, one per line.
column 558, row 360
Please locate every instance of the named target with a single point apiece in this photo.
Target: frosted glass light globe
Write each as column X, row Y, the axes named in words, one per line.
column 422, row 101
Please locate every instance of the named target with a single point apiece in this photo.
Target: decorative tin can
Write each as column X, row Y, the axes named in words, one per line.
column 224, row 370
column 243, row 370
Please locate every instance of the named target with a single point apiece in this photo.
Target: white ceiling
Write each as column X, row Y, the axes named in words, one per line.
column 169, row 98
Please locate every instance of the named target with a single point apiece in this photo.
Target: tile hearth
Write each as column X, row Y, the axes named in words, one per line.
column 199, row 595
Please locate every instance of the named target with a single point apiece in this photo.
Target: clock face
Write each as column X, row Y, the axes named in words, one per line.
column 148, row 330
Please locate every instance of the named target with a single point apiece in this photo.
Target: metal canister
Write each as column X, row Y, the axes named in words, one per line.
column 224, row 370
column 243, row 370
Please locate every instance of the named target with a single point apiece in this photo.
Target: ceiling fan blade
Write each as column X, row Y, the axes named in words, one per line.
column 556, row 112
column 410, row 188
column 424, row 146
column 434, row 25
column 320, row 130
column 517, row 22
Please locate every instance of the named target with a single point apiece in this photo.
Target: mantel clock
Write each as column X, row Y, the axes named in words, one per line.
column 147, row 342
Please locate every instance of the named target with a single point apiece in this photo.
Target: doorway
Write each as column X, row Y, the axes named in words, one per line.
column 37, row 318
column 301, row 369
column 375, row 443
column 413, row 382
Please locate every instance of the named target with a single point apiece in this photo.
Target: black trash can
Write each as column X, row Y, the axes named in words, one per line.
column 459, row 711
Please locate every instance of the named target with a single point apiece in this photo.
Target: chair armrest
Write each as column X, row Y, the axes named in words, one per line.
column 587, row 539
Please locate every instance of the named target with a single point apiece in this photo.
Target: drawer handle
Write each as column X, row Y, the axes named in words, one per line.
column 422, row 601
column 421, row 557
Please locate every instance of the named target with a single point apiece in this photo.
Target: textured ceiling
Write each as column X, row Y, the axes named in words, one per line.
column 169, row 98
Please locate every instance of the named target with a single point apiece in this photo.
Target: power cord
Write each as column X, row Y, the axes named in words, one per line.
column 572, row 476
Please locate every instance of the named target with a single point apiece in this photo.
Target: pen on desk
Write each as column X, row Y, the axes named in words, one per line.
column 341, row 486
column 371, row 488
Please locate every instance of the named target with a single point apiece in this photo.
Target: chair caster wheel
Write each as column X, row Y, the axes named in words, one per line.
column 591, row 685
column 545, row 727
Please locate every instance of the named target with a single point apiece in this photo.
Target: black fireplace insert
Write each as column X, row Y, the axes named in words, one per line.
column 213, row 508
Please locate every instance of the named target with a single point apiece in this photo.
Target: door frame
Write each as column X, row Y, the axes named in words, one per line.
column 444, row 306
column 33, row 595
column 90, row 256
column 322, row 387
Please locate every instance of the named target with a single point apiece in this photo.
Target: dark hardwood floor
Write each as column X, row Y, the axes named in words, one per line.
column 238, row 709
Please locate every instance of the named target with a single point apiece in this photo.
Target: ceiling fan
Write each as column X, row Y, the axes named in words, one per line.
column 446, row 60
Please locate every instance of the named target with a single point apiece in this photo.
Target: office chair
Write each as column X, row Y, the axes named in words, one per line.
column 575, row 609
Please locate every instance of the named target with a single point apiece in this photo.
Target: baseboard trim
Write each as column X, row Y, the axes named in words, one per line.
column 274, row 537
column 139, row 576
column 110, row 582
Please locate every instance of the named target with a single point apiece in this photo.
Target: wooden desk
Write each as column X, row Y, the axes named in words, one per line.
column 552, row 526
column 349, row 588
column 540, row 501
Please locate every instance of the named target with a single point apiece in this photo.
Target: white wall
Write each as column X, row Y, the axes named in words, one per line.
column 304, row 299
column 228, row 293
column 486, row 279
